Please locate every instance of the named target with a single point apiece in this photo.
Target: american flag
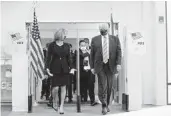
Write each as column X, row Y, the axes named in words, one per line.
column 36, row 50
column 136, row 35
column 16, row 36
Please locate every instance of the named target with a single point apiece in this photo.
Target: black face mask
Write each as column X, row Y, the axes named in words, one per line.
column 103, row 32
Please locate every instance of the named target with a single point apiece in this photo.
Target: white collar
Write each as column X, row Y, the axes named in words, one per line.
column 107, row 36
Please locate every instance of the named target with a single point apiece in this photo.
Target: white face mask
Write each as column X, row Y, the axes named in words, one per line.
column 83, row 48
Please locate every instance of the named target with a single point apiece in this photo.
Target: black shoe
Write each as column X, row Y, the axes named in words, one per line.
column 104, row 110
column 55, row 108
column 82, row 100
column 108, row 110
column 85, row 100
column 61, row 112
column 93, row 103
column 70, row 101
column 47, row 98
column 49, row 104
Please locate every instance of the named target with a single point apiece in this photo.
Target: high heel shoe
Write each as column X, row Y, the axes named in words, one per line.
column 61, row 110
column 55, row 107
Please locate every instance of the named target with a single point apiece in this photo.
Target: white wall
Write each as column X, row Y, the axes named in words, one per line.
column 136, row 16
column 19, row 76
column 127, row 13
column 148, row 59
column 160, row 38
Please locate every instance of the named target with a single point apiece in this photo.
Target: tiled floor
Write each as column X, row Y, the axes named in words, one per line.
column 70, row 110
column 87, row 110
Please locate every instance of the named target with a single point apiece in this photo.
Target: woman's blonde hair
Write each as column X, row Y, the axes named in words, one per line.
column 60, row 34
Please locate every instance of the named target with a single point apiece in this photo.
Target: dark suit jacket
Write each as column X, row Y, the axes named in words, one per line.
column 82, row 56
column 96, row 57
column 56, row 62
column 45, row 54
column 45, row 58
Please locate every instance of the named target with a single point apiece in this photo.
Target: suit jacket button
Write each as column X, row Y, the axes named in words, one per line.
column 60, row 58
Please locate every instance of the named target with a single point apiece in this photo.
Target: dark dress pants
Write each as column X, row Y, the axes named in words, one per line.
column 91, row 81
column 83, row 85
column 105, row 85
column 74, row 82
column 69, row 87
column 45, row 88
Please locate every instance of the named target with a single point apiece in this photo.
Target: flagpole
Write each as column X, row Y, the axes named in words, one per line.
column 111, row 22
column 35, row 75
column 35, row 91
column 112, row 99
column 78, row 77
column 29, row 72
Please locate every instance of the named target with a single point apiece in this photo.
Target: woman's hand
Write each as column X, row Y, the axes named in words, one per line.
column 48, row 71
column 93, row 71
column 46, row 77
column 72, row 71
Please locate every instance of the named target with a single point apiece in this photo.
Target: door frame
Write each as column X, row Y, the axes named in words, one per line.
column 28, row 25
column 167, row 52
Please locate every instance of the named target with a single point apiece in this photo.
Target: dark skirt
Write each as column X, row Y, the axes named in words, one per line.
column 60, row 79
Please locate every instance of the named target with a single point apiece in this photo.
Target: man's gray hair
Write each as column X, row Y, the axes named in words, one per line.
column 104, row 26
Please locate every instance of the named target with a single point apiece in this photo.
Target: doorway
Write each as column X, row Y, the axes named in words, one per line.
column 76, row 32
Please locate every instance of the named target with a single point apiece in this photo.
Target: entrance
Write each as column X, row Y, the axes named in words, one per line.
column 75, row 32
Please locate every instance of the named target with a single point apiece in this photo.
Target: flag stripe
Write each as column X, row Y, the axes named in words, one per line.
column 40, row 56
column 40, row 66
column 33, row 61
column 34, row 69
column 37, row 57
column 38, row 48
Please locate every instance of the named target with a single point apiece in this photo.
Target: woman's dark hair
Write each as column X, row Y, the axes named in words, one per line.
column 86, row 40
column 81, row 41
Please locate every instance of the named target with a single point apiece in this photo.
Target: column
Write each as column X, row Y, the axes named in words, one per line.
column 19, row 76
column 160, row 42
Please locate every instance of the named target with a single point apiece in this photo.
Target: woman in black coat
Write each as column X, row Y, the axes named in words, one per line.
column 58, row 66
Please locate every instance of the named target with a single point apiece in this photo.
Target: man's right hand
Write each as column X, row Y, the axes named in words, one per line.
column 93, row 71
column 48, row 71
column 116, row 76
column 46, row 76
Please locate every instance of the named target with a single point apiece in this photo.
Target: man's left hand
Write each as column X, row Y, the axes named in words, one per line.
column 118, row 68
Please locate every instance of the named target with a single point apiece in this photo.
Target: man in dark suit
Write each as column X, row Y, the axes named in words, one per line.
column 46, row 81
column 83, row 73
column 90, row 77
column 105, row 60
column 69, row 86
